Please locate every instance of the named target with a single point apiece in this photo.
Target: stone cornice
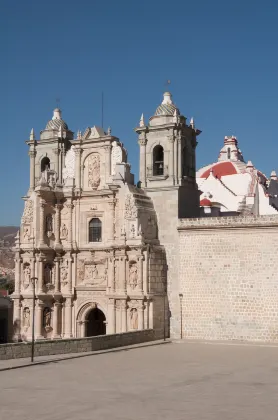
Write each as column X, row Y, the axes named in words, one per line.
column 232, row 222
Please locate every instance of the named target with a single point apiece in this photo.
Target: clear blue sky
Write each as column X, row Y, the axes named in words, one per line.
column 221, row 57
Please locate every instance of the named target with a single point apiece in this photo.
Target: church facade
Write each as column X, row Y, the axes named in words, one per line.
column 104, row 256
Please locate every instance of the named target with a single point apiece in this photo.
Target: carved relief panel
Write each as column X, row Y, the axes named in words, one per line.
column 93, row 168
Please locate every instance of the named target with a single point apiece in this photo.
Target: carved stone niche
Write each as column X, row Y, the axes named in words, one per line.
column 133, row 275
column 48, row 276
column 26, row 275
column 26, row 232
column 64, row 232
column 64, row 275
column 47, row 319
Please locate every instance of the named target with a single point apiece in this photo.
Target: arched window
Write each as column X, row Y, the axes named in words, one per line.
column 229, row 153
column 45, row 164
column 158, row 160
column 95, row 230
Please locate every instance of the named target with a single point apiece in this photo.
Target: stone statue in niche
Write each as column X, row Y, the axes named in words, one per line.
column 47, row 318
column 49, row 225
column 94, row 171
column 26, row 232
column 117, row 156
column 133, row 275
column 133, row 319
column 64, row 231
column 26, row 318
column 27, row 274
column 47, row 274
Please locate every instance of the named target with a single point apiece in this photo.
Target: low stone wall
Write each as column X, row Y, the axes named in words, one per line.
column 75, row 345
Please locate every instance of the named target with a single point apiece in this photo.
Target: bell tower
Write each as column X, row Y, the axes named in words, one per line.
column 167, row 174
column 167, row 156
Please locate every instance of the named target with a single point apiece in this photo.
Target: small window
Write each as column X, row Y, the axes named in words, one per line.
column 45, row 164
column 229, row 153
column 95, row 230
column 158, row 160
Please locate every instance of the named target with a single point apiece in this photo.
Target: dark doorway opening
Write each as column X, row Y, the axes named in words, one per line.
column 95, row 323
column 3, row 326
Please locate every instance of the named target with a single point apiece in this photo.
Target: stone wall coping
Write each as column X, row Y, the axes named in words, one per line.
column 76, row 340
column 230, row 222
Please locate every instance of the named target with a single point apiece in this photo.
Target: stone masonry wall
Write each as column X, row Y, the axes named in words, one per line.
column 229, row 278
column 77, row 345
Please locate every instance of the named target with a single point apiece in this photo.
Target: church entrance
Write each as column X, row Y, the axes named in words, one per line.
column 95, row 324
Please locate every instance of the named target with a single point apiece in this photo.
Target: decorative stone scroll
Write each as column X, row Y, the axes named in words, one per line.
column 28, row 212
column 94, row 171
column 130, row 207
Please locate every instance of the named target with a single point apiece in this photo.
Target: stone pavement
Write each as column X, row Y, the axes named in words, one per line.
column 177, row 381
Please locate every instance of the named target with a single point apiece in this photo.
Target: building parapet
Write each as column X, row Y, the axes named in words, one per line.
column 231, row 222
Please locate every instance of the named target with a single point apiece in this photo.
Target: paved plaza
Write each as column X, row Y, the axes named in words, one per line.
column 178, row 381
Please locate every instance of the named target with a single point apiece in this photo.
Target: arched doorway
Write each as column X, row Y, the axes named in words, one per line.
column 95, row 323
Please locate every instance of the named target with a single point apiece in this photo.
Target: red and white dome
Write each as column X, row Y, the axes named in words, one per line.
column 232, row 185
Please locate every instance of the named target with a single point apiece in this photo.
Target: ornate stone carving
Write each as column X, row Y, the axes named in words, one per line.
column 130, row 207
column 47, row 319
column 64, row 231
column 117, row 156
column 26, row 318
column 133, row 275
column 93, row 171
column 91, row 272
column 64, row 275
column 69, row 169
column 28, row 212
column 95, row 274
column 80, row 271
column 132, row 231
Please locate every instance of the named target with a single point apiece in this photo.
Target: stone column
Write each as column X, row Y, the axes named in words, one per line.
column 172, row 158
column 32, row 154
column 17, row 320
column 142, row 142
column 111, row 317
column 70, row 275
column 111, row 221
column 141, row 316
column 70, row 207
column 122, row 273
column 78, row 169
column 57, row 166
column 38, row 320
column 17, row 274
column 140, row 273
column 176, row 161
column 41, row 275
column 56, row 318
column 57, row 275
column 151, row 314
column 124, row 316
column 180, row 157
column 68, row 318
column 57, row 224
column 111, row 274
column 42, row 223
column 107, row 163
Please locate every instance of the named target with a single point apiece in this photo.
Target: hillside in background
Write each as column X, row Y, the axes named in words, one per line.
column 7, row 239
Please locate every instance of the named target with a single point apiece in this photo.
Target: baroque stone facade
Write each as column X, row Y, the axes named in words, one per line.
column 87, row 240
column 106, row 256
